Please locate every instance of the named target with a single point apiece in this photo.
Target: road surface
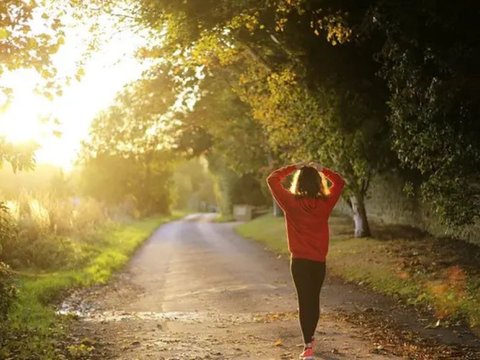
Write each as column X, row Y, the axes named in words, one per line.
column 197, row 290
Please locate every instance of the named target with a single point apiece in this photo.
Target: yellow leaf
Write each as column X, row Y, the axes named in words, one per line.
column 278, row 342
column 79, row 74
column 4, row 33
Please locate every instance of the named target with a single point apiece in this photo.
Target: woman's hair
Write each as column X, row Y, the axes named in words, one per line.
column 307, row 183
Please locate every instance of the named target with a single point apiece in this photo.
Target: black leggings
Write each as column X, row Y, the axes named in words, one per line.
column 308, row 276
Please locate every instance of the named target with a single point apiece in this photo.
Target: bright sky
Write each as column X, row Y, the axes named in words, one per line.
column 105, row 74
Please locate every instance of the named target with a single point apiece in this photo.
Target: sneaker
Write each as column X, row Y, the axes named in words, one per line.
column 307, row 354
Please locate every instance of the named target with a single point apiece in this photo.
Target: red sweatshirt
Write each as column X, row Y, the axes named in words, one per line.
column 306, row 218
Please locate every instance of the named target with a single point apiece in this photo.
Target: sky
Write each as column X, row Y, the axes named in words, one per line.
column 106, row 72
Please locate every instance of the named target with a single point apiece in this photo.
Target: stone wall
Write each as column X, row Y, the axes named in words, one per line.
column 387, row 203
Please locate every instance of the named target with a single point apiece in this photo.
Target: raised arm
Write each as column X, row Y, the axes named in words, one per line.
column 337, row 186
column 274, row 181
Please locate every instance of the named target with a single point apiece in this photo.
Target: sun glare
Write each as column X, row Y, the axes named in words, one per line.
column 20, row 121
column 31, row 117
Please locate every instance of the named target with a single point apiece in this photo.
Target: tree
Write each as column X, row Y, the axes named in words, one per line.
column 344, row 69
column 314, row 124
column 22, row 47
column 429, row 60
column 19, row 156
column 24, row 44
column 194, row 186
column 128, row 153
column 221, row 127
column 308, row 105
column 115, row 179
column 426, row 54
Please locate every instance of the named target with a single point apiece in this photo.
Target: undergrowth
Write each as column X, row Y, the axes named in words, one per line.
column 33, row 330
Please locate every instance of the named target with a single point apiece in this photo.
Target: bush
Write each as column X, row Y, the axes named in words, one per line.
column 7, row 232
column 50, row 252
column 88, row 214
column 48, row 232
column 7, row 290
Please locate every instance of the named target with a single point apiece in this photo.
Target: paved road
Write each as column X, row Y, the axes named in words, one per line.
column 197, row 290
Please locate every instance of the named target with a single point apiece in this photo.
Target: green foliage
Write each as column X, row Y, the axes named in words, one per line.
column 19, row 156
column 79, row 351
column 322, row 79
column 7, row 228
column 128, row 154
column 8, row 292
column 224, row 182
column 220, row 126
column 30, row 33
column 137, row 184
column 279, row 85
column 234, row 188
column 133, row 125
column 33, row 315
column 193, row 186
column 428, row 66
column 8, row 296
column 44, row 178
column 24, row 45
column 45, row 232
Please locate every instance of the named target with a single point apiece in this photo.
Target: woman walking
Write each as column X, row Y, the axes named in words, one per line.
column 307, row 206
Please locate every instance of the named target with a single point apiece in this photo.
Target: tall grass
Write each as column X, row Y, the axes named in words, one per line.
column 54, row 244
column 34, row 328
column 49, row 232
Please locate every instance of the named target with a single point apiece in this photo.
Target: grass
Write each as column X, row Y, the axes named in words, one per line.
column 268, row 230
column 34, row 328
column 438, row 274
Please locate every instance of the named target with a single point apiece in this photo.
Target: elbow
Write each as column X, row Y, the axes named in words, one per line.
column 270, row 179
column 341, row 181
column 338, row 186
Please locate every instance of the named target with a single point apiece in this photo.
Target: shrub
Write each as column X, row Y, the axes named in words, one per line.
column 60, row 213
column 7, row 232
column 48, row 232
column 7, row 290
column 88, row 214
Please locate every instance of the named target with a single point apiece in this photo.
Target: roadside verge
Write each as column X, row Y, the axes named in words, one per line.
column 35, row 331
column 438, row 275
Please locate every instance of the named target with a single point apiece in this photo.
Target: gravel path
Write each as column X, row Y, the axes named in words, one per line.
column 197, row 290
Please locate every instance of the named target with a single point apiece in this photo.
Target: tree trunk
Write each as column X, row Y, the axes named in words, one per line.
column 277, row 210
column 362, row 229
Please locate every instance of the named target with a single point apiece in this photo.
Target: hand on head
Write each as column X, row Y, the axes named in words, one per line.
column 301, row 164
column 315, row 165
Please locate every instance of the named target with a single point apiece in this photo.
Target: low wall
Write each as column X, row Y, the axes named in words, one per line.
column 387, row 203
